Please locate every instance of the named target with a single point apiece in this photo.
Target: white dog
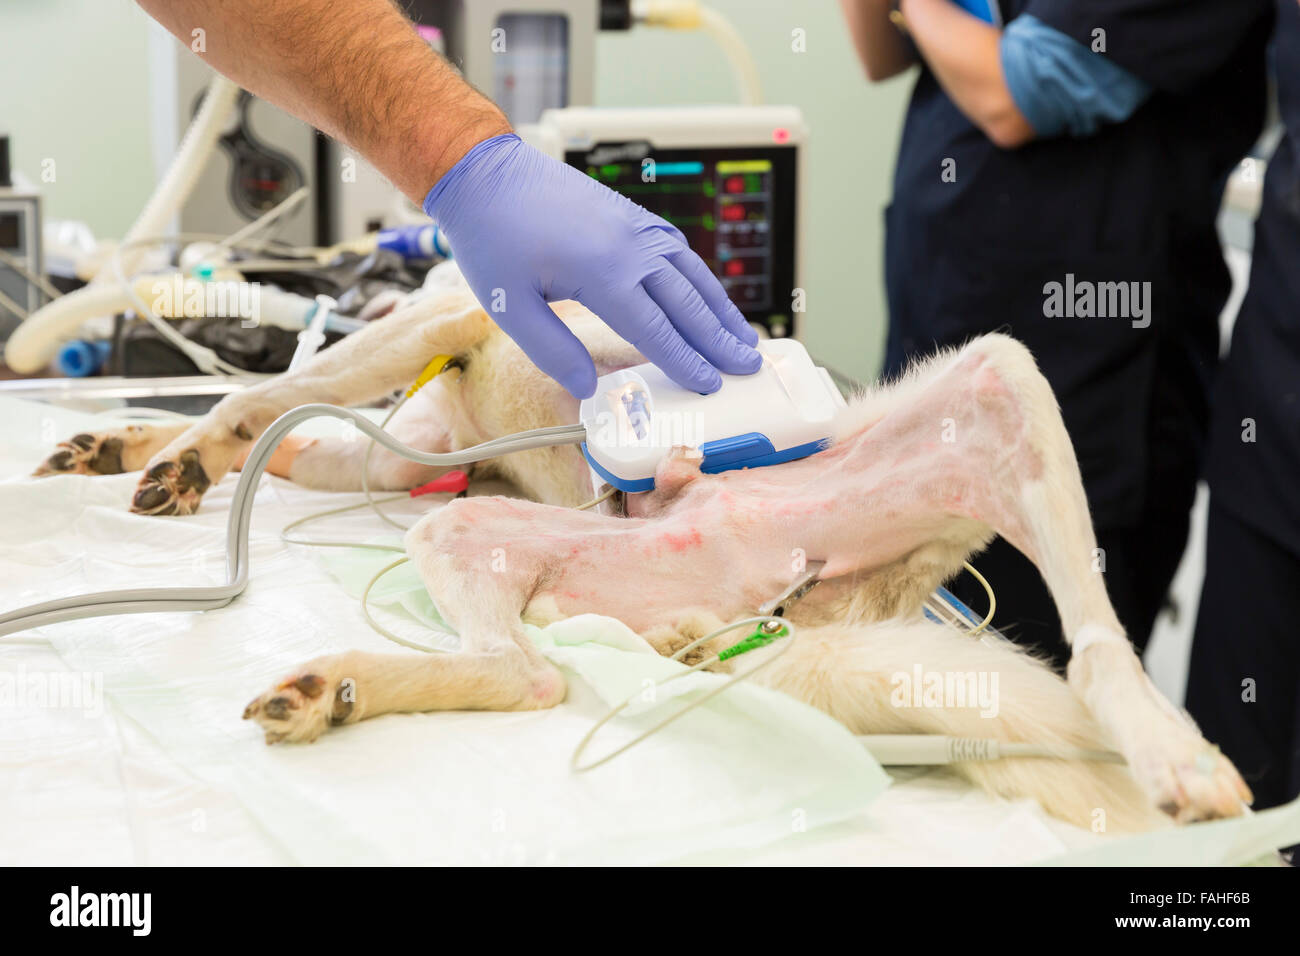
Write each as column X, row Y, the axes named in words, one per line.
column 922, row 474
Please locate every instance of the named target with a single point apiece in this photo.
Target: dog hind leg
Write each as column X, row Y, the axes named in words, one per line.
column 497, row 667
column 1030, row 491
column 866, row 677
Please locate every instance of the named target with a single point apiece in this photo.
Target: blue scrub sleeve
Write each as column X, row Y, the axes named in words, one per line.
column 1175, row 45
column 1060, row 85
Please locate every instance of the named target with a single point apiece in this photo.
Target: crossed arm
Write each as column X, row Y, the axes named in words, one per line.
column 961, row 50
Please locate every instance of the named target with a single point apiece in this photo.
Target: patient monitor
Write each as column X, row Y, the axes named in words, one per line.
column 727, row 176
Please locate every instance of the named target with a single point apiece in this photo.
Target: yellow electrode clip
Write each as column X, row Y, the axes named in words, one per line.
column 431, row 371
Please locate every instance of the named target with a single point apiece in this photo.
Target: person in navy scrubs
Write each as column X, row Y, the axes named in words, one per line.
column 1244, row 682
column 1060, row 171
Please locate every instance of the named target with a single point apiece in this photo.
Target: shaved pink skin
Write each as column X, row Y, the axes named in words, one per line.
column 729, row 542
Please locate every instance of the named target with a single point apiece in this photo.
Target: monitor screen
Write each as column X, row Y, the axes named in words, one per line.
column 735, row 205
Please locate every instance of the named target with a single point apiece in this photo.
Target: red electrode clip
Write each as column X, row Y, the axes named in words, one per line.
column 453, row 482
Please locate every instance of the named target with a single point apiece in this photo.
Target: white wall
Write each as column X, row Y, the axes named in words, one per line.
column 73, row 90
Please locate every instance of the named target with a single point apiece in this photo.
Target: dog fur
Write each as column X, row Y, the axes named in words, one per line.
column 922, row 474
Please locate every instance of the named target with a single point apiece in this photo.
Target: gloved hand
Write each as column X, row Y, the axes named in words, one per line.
column 527, row 229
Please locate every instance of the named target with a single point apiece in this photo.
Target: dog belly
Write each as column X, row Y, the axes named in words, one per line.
column 725, row 554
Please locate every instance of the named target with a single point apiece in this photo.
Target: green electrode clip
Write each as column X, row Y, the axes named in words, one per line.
column 769, row 627
column 760, row 638
column 769, row 631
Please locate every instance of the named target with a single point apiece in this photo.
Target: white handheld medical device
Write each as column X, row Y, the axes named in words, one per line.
column 782, row 412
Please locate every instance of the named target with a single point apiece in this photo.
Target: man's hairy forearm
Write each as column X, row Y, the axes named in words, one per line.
column 354, row 69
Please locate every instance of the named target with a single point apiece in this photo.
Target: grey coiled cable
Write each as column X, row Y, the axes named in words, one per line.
column 207, row 598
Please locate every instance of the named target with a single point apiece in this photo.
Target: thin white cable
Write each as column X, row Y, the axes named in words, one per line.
column 205, row 358
column 34, row 343
column 379, row 628
column 314, row 543
column 787, row 640
column 267, row 219
column 431, row 371
column 365, row 466
column 365, row 593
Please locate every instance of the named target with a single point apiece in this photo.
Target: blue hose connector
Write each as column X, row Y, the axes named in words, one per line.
column 415, row 242
column 80, row 358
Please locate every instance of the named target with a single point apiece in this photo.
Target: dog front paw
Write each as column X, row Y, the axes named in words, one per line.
column 110, row 452
column 172, row 487
column 84, row 454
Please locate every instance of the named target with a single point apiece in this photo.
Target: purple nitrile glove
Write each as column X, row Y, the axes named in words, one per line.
column 527, row 229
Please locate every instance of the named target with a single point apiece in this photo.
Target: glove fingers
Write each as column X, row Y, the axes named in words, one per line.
column 715, row 297
column 666, row 227
column 691, row 317
column 680, row 254
column 644, row 324
column 547, row 341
